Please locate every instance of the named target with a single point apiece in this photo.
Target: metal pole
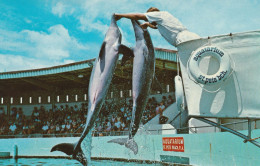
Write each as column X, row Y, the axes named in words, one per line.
column 15, row 152
column 249, row 128
column 230, row 130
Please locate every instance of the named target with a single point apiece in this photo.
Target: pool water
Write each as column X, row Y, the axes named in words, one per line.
column 66, row 162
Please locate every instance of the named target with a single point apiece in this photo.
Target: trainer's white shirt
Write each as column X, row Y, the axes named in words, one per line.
column 170, row 27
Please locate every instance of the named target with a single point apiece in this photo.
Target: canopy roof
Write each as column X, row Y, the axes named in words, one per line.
column 76, row 74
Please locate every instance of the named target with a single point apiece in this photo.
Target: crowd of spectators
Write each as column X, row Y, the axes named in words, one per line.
column 59, row 120
column 114, row 116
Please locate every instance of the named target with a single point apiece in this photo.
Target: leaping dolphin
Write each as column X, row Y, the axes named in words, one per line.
column 143, row 73
column 100, row 80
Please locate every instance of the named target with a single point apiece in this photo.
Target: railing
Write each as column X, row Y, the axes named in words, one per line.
column 117, row 133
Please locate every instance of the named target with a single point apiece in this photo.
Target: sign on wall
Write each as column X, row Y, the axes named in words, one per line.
column 175, row 144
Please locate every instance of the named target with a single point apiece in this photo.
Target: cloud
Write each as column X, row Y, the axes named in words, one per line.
column 57, row 44
column 54, row 45
column 202, row 17
column 28, row 48
column 11, row 62
column 60, row 9
column 93, row 18
column 28, row 21
column 93, row 15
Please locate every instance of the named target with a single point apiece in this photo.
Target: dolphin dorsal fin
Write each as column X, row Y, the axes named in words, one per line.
column 127, row 53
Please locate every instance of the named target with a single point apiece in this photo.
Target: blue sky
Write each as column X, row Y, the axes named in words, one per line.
column 43, row 33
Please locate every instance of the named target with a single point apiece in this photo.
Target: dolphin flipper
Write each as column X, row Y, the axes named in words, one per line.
column 68, row 148
column 101, row 56
column 127, row 53
column 129, row 143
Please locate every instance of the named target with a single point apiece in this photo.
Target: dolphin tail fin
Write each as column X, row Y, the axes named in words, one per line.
column 80, row 156
column 127, row 53
column 68, row 148
column 129, row 143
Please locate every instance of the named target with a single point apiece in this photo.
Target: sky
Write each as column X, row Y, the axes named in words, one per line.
column 44, row 33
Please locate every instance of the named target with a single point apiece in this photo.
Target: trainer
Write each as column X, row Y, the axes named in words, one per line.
column 169, row 26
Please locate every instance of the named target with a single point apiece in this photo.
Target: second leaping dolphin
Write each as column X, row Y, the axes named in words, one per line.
column 143, row 73
column 99, row 83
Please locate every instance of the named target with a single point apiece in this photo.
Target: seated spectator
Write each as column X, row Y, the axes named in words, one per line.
column 72, row 109
column 157, row 110
column 154, row 102
column 127, row 125
column 38, row 126
column 63, row 128
column 128, row 117
column 31, row 128
column 113, row 119
column 125, row 113
column 81, row 129
column 149, row 102
column 118, row 118
column 13, row 113
column 3, row 129
column 122, row 125
column 106, row 109
column 2, row 113
column 61, row 108
column 13, row 128
column 51, row 129
column 122, row 109
column 74, row 125
column 57, row 129
column 50, row 114
column 42, row 113
column 150, row 116
column 19, row 115
column 76, row 108
column 108, row 125
column 170, row 100
column 99, row 128
column 68, row 127
column 161, row 109
column 164, row 100
column 117, row 125
column 68, row 117
column 82, row 107
column 25, row 129
column 162, row 106
column 145, row 115
column 55, row 108
column 35, row 113
column 45, row 128
column 67, row 107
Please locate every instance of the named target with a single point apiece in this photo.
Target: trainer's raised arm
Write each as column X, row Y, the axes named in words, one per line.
column 133, row 16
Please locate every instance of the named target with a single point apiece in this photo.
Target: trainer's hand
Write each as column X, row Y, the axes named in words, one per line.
column 144, row 25
column 117, row 17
